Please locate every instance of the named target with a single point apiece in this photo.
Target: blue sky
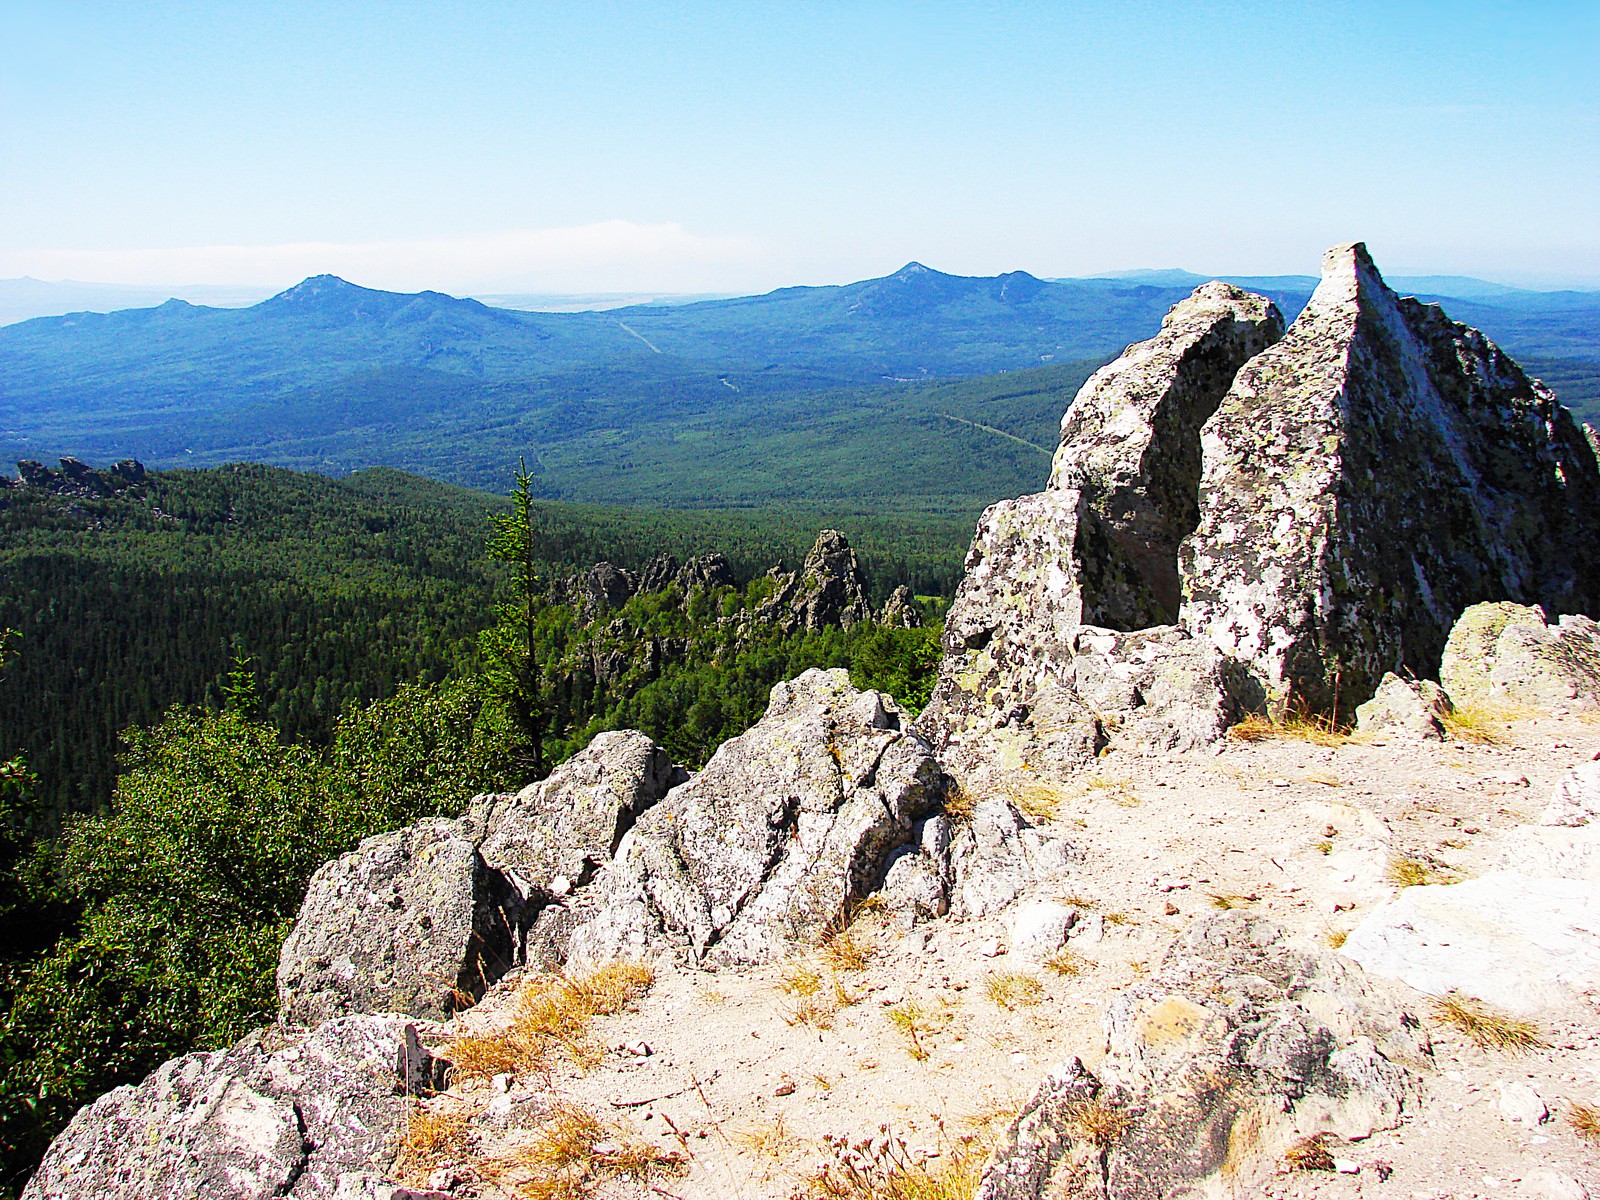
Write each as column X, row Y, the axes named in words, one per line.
column 728, row 147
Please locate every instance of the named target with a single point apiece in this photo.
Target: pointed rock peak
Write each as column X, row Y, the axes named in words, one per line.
column 1218, row 298
column 913, row 269
column 1348, row 275
column 320, row 291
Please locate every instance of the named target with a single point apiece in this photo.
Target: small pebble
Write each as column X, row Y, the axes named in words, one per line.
column 786, row 1088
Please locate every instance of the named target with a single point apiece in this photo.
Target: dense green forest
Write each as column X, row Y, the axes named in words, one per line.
column 284, row 664
column 338, row 590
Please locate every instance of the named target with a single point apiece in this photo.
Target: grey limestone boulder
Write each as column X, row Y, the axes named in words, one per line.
column 1381, row 450
column 787, row 826
column 254, row 1121
column 1239, row 1044
column 1405, row 709
column 408, row 922
column 1510, row 653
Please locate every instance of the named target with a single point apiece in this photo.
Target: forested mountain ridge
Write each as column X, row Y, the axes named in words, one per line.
column 820, row 395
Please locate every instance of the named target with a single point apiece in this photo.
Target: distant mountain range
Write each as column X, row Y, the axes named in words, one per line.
column 803, row 394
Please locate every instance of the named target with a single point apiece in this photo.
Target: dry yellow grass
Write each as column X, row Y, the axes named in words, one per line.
column 1404, row 871
column 916, row 1023
column 1037, row 799
column 1066, row 963
column 1118, row 918
column 1585, row 1120
column 1012, row 990
column 881, row 1168
column 1484, row 723
column 814, row 1011
column 550, row 1013
column 1098, row 1123
column 800, row 978
column 433, row 1138
column 1292, row 725
column 573, row 1153
column 846, row 951
column 1335, row 937
column 766, row 1139
column 1229, row 900
column 959, row 803
column 1487, row 1027
column 1308, row 1154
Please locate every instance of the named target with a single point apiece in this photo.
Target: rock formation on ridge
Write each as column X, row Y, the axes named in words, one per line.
column 1238, row 520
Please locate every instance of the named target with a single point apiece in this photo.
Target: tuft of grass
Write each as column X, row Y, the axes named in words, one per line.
column 1325, row 778
column 915, row 1023
column 1036, row 799
column 1074, row 900
column 1483, row 723
column 845, row 951
column 801, row 979
column 1012, row 990
column 1486, row 1026
column 813, row 1011
column 1323, row 847
column 881, row 1168
column 1308, row 1154
column 1404, row 871
column 959, row 804
column 1118, row 918
column 766, row 1139
column 551, row 1013
column 1292, row 724
column 1335, row 937
column 433, row 1138
column 1585, row 1120
column 573, row 1153
column 1227, row 901
column 1067, row 963
column 1098, row 1123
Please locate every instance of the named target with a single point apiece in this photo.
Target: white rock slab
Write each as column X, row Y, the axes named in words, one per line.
column 1515, row 941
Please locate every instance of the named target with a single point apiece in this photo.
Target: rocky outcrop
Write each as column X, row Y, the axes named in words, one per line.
column 1381, row 450
column 606, row 587
column 409, row 922
column 1099, row 548
column 77, row 479
column 1237, row 520
column 787, row 826
column 900, row 610
column 425, row 919
column 829, row 590
column 551, row 837
column 1410, row 710
column 1239, row 1044
column 1509, row 653
column 301, row 1119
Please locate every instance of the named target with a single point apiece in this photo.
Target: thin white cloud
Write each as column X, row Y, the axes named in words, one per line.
column 604, row 256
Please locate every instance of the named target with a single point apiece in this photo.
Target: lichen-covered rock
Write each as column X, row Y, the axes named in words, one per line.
column 552, row 836
column 1518, row 941
column 917, row 881
column 1157, row 689
column 1575, row 800
column 1130, row 444
column 900, row 610
column 1405, row 709
column 995, row 855
column 787, row 826
column 1509, row 653
column 254, row 1121
column 1237, row 1045
column 1098, row 548
column 408, row 922
column 1381, row 450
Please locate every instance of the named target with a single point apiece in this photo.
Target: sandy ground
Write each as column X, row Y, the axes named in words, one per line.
column 742, row 1087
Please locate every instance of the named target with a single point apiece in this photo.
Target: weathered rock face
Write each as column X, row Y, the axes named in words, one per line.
column 1100, row 547
column 900, row 610
column 408, row 922
column 552, row 836
column 1130, row 446
column 1509, row 653
column 1520, row 942
column 787, row 826
column 252, row 1121
column 1406, row 709
column 1236, row 1046
column 76, row 478
column 1381, row 450
column 606, row 587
